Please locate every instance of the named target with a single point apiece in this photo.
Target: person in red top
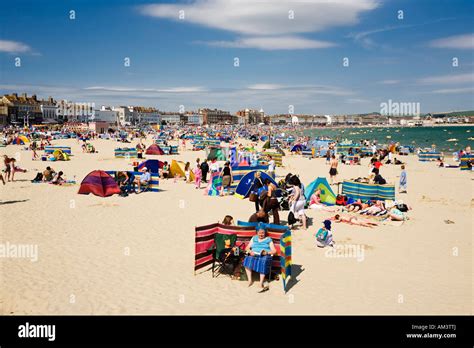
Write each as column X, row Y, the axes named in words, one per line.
column 376, row 164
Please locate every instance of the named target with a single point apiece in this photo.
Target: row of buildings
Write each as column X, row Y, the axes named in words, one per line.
column 27, row 110
column 23, row 109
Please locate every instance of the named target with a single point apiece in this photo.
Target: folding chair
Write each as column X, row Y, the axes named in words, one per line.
column 225, row 265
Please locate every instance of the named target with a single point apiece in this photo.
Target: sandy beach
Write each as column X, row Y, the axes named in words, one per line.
column 135, row 255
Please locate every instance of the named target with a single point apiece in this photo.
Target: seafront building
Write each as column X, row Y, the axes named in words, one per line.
column 21, row 109
column 250, row 116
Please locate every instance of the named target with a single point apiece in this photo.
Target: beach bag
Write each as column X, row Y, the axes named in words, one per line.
column 291, row 218
column 253, row 197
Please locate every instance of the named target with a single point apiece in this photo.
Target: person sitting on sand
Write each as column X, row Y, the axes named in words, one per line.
column 259, row 216
column 397, row 162
column 260, row 251
column 48, row 174
column 440, row 162
column 395, row 214
column 315, row 202
column 58, row 179
column 378, row 179
column 143, row 179
column 352, row 220
column 324, row 235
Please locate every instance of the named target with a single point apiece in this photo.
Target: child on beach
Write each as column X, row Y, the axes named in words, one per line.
column 324, row 235
column 403, row 181
column 187, row 171
column 197, row 174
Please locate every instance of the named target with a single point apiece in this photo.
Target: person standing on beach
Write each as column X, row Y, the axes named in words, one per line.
column 226, row 175
column 328, row 156
column 257, row 184
column 197, row 174
column 187, row 172
column 204, row 170
column 403, row 181
column 333, row 170
column 271, row 167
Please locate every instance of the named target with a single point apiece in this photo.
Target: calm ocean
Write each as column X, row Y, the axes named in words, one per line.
column 446, row 139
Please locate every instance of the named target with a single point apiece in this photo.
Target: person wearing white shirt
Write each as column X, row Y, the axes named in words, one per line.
column 143, row 179
column 271, row 167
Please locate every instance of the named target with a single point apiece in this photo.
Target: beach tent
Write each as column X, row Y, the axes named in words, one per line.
column 99, row 183
column 152, row 165
column 154, row 150
column 327, row 194
column 246, row 183
column 60, row 155
column 239, row 171
column 297, row 147
column 266, row 145
column 281, row 237
column 21, row 140
column 177, row 169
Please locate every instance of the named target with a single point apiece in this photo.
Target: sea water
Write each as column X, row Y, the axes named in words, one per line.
column 446, row 138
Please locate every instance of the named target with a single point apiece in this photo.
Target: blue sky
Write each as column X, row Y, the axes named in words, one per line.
column 282, row 61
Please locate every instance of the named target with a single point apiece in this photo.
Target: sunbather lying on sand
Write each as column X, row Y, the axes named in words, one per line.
column 376, row 210
column 356, row 206
column 352, row 220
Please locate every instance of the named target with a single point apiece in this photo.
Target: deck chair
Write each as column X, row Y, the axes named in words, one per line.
column 145, row 187
column 219, row 265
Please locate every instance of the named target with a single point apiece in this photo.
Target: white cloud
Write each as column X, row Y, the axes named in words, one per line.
column 447, row 79
column 254, row 17
column 454, row 90
column 266, row 24
column 365, row 41
column 389, row 82
column 465, row 41
column 272, row 43
column 190, row 89
column 357, row 101
column 14, row 47
column 265, row 86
